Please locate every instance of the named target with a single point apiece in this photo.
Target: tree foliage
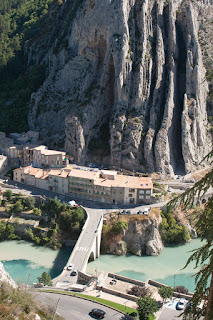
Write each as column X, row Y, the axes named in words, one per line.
column 203, row 256
column 8, row 194
column 146, row 307
column 166, row 292
column 45, row 279
column 171, row 231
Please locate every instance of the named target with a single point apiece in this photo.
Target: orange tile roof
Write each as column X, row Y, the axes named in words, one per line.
column 126, row 182
column 86, row 174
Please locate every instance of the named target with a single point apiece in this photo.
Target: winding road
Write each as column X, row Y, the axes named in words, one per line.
column 75, row 308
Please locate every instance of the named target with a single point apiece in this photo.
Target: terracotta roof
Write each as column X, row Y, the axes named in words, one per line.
column 86, row 174
column 126, row 182
column 60, row 173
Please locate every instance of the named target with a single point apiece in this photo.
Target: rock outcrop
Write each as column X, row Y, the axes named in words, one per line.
column 4, row 277
column 126, row 82
column 141, row 237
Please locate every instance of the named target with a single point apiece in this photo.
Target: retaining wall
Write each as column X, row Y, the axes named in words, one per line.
column 125, row 279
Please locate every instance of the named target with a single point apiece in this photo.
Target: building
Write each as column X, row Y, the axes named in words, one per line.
column 42, row 157
column 3, row 163
column 104, row 186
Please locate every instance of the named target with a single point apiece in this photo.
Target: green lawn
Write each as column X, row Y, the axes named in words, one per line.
column 112, row 304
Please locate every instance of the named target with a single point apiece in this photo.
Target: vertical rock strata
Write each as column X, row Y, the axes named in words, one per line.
column 131, row 72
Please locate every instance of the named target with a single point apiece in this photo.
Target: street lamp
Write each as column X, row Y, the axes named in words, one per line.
column 174, row 280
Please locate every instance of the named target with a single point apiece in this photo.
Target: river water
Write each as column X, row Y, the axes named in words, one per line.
column 21, row 258
column 165, row 268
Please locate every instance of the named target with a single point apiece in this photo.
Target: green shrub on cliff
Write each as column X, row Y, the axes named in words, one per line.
column 171, row 231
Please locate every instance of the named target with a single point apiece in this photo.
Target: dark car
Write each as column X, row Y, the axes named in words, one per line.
column 74, row 273
column 160, row 304
column 98, row 312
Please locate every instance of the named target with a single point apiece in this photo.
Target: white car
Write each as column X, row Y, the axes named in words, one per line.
column 70, row 266
column 181, row 304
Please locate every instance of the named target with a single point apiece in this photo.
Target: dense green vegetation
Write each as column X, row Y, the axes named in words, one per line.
column 147, row 306
column 166, row 292
column 58, row 221
column 20, row 21
column 172, row 232
column 20, row 304
column 45, row 279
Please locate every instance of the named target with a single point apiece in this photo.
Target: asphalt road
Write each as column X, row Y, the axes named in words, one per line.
column 74, row 308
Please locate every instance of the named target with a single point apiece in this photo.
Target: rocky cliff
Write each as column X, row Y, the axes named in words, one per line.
column 125, row 82
column 141, row 236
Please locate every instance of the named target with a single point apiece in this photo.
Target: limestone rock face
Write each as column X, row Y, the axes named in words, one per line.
column 130, row 71
column 143, row 238
column 118, row 248
column 4, row 276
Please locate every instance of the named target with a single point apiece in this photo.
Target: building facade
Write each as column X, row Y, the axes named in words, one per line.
column 103, row 186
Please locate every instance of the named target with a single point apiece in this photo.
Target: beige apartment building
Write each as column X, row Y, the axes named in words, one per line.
column 105, row 186
column 42, row 157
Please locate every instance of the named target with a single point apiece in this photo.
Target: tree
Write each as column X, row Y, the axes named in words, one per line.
column 17, row 207
column 166, row 292
column 146, row 307
column 203, row 256
column 8, row 195
column 45, row 279
column 29, row 203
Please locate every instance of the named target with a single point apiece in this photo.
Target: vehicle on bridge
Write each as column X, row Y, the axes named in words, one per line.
column 70, row 267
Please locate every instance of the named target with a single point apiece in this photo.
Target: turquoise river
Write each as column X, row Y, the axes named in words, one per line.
column 21, row 259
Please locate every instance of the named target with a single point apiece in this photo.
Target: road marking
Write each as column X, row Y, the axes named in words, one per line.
column 82, row 248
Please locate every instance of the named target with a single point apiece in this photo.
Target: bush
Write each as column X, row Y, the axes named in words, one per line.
column 29, row 203
column 139, row 291
column 119, row 226
column 171, row 231
column 17, row 207
column 8, row 195
column 181, row 289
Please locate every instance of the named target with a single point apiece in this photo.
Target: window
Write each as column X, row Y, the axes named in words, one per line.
column 141, row 191
column 147, row 197
column 131, row 190
column 148, row 191
column 141, row 197
column 130, row 195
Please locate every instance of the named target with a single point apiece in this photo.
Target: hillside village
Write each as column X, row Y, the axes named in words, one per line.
column 49, row 170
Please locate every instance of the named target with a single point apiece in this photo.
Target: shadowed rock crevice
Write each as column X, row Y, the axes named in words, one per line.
column 179, row 96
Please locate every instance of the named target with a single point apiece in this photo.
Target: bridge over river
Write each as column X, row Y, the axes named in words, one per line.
column 87, row 246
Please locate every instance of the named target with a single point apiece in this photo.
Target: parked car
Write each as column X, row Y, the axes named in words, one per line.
column 74, row 273
column 124, row 212
column 129, row 212
column 160, row 304
column 140, row 212
column 181, row 304
column 98, row 312
column 70, row 266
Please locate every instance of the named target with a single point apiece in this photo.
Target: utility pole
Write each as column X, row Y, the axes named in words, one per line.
column 28, row 280
column 56, row 309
